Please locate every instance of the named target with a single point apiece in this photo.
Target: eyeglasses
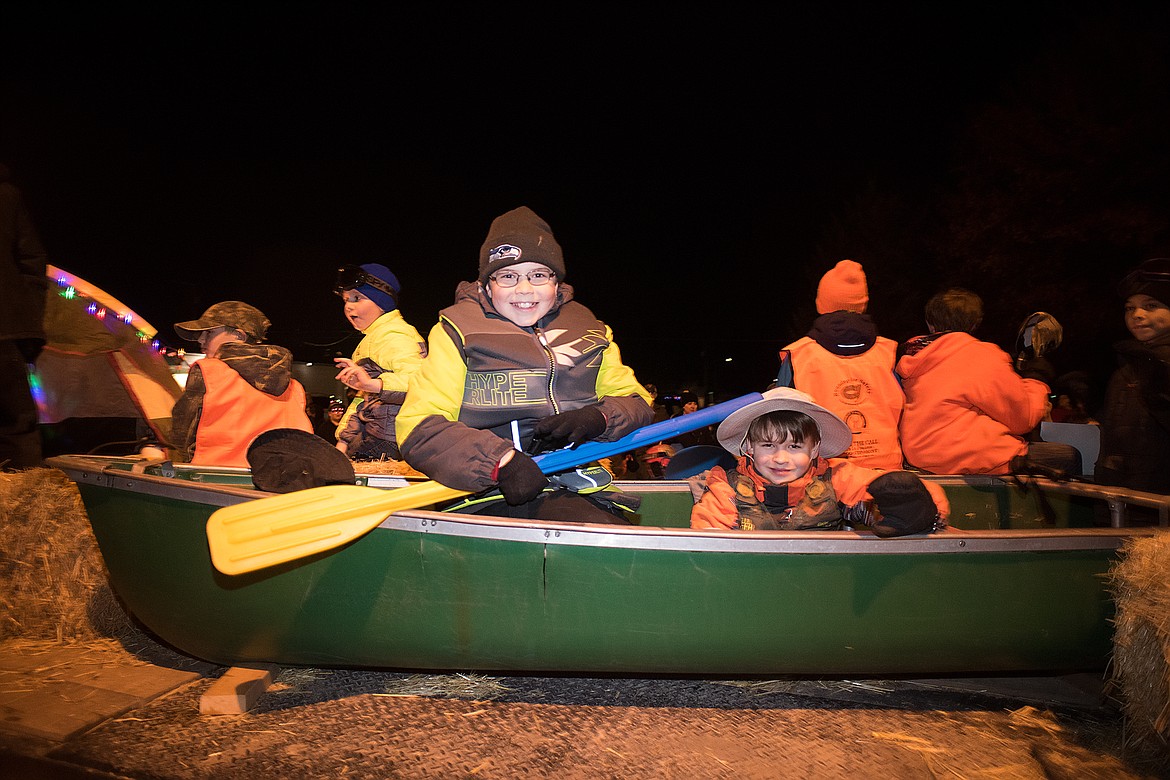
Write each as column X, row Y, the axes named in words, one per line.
column 350, row 277
column 511, row 278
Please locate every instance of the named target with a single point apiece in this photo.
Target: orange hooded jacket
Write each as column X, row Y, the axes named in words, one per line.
column 967, row 409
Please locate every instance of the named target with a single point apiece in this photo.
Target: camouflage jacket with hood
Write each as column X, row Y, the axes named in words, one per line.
column 266, row 367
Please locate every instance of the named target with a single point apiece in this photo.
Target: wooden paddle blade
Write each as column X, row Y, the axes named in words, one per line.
column 257, row 534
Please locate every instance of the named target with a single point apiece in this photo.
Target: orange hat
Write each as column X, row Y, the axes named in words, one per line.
column 843, row 287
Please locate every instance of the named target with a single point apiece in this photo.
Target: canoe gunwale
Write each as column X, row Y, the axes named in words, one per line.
column 99, row 471
column 758, row 542
column 89, row 472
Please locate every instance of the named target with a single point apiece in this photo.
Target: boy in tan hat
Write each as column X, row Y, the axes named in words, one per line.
column 844, row 364
column 788, row 477
column 241, row 389
column 517, row 365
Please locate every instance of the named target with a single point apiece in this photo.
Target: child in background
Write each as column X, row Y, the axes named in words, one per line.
column 242, row 388
column 967, row 409
column 789, row 479
column 381, row 365
column 1135, row 419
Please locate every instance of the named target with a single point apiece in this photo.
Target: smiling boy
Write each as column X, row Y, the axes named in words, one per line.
column 516, row 364
column 789, row 478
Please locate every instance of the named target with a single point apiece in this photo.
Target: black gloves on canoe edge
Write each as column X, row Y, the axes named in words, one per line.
column 905, row 505
column 520, row 480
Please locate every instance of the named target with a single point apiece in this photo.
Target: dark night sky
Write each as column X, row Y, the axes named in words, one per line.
column 688, row 162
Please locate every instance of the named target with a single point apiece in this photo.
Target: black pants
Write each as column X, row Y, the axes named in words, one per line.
column 20, row 439
column 561, row 506
column 1055, row 455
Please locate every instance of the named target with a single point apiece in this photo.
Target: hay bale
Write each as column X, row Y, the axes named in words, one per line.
column 53, row 583
column 1140, row 583
column 386, row 467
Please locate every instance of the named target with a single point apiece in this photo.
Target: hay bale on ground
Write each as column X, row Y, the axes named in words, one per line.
column 1140, row 582
column 53, row 583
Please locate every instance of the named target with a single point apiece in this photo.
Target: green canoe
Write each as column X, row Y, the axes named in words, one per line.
column 1019, row 583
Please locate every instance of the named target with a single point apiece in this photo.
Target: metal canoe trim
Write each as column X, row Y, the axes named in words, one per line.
column 759, row 542
column 91, row 472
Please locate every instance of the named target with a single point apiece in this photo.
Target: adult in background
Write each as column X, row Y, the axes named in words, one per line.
column 704, row 436
column 849, row 369
column 1135, row 419
column 242, row 388
column 517, row 365
column 22, row 328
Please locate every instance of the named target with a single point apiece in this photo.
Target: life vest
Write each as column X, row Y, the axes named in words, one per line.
column 817, row 509
column 525, row 374
column 860, row 389
column 234, row 413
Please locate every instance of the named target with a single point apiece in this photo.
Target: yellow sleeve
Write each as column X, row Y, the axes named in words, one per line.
column 436, row 387
column 616, row 378
column 399, row 349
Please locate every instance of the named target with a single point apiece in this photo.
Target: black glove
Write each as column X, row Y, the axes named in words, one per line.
column 904, row 504
column 577, row 426
column 521, row 480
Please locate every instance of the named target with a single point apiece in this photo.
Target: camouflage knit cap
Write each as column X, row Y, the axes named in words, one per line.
column 227, row 314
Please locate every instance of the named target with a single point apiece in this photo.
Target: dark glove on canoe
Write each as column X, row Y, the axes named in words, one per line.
column 521, row 480
column 575, row 427
column 904, row 503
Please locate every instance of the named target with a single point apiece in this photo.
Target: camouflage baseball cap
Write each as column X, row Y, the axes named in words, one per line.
column 227, row 314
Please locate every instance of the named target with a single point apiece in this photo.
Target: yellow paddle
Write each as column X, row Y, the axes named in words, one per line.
column 268, row 531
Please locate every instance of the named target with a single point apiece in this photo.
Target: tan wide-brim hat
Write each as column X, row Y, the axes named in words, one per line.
column 835, row 435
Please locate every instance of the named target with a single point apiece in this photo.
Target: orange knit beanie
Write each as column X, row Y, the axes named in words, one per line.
column 843, row 287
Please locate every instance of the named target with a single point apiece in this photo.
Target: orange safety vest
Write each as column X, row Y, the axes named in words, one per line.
column 860, row 389
column 234, row 413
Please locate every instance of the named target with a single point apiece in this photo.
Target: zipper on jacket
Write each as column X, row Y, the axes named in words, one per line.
column 552, row 367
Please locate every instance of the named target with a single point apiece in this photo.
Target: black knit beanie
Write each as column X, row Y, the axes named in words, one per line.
column 519, row 236
column 1151, row 278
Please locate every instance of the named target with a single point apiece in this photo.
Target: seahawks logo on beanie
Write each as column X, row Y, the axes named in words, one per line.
column 505, row 254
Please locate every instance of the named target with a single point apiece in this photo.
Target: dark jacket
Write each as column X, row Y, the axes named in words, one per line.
column 22, row 273
column 1135, row 420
